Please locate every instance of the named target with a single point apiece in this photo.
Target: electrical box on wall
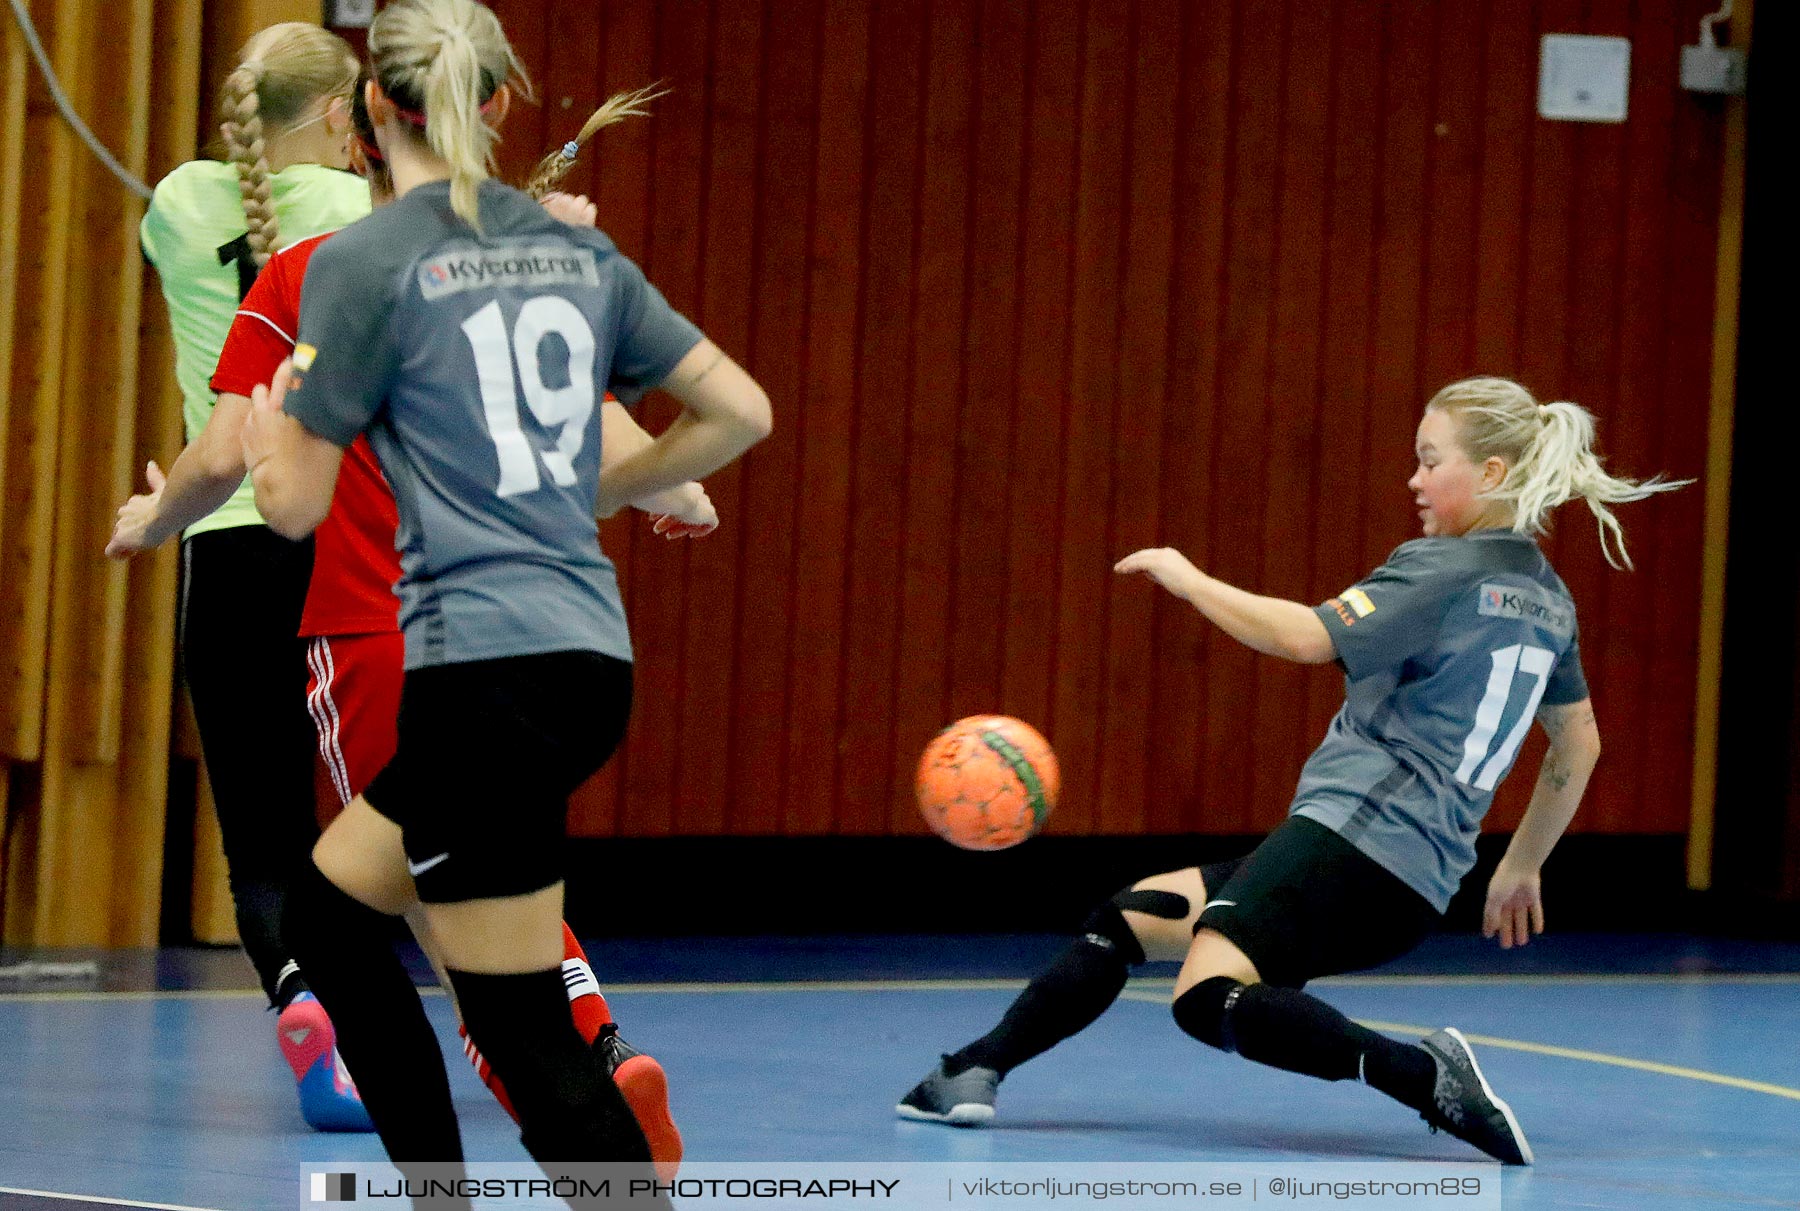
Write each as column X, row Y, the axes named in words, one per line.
column 1584, row 78
column 350, row 14
column 1712, row 69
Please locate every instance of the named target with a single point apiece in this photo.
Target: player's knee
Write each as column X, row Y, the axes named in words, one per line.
column 1107, row 927
column 1165, row 905
column 1159, row 905
column 1204, row 1011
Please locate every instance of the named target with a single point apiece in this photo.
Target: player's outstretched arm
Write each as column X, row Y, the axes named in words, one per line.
column 205, row 474
column 1515, row 904
column 724, row 413
column 293, row 469
column 1270, row 625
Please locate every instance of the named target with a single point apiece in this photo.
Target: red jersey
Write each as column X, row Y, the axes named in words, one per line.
column 355, row 566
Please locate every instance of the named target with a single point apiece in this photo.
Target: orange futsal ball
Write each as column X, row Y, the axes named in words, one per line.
column 987, row 782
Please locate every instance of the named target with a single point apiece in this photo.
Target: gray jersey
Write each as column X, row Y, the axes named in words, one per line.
column 1449, row 648
column 478, row 366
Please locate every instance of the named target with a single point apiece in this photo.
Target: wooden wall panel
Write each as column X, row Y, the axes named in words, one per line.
column 994, row 315
column 1180, row 781
column 13, row 61
column 91, row 393
column 949, row 107
column 1084, row 477
column 780, row 197
column 728, row 235
column 1148, row 116
column 1033, row 285
column 45, row 222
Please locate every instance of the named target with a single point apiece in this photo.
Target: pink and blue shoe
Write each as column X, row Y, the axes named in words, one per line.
column 328, row 1097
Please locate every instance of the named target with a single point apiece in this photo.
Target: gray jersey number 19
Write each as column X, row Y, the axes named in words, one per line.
column 1476, row 765
column 569, row 406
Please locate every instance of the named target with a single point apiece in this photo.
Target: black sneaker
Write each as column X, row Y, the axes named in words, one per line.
column 1464, row 1103
column 963, row 1100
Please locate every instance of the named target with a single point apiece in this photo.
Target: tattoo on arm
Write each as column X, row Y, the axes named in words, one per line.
column 1558, row 719
column 1556, row 774
column 718, row 356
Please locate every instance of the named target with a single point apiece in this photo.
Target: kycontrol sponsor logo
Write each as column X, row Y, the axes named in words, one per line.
column 1525, row 604
column 531, row 268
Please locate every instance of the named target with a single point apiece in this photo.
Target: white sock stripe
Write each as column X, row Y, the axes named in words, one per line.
column 340, row 770
column 579, row 979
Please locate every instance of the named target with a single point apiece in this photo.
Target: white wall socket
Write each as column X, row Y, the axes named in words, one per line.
column 1584, row 78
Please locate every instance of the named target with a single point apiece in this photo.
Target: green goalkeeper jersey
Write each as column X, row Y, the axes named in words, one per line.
column 194, row 233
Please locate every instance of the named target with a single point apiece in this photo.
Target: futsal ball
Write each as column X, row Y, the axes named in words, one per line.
column 987, row 782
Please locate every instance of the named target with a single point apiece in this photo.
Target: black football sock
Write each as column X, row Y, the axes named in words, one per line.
column 382, row 1031
column 1062, row 1000
column 569, row 1110
column 1286, row 1028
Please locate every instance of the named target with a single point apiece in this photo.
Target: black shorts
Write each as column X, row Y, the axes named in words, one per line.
column 1306, row 903
column 488, row 754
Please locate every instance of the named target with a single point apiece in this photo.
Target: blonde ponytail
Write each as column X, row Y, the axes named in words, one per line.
column 453, row 124
column 282, row 72
column 441, row 61
column 555, row 166
column 1549, row 457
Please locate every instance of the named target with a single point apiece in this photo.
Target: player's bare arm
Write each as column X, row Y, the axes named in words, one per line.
column 724, row 413
column 203, row 477
column 1270, row 625
column 684, row 511
column 1515, row 906
column 293, row 469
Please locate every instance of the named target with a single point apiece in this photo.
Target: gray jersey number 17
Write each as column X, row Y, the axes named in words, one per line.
column 1477, row 766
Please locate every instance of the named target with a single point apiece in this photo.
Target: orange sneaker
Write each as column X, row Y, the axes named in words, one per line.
column 646, row 1088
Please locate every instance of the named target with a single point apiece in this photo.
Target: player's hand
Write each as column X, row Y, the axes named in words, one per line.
column 265, row 415
column 684, row 511
column 1165, row 565
column 132, row 529
column 1515, row 907
column 572, row 208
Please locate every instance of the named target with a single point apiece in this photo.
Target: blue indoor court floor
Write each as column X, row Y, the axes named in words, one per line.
column 1649, row 1072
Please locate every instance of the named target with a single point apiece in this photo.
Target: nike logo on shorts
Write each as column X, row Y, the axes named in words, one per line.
column 1220, row 904
column 415, row 869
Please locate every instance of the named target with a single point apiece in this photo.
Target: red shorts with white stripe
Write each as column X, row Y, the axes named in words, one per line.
column 354, row 697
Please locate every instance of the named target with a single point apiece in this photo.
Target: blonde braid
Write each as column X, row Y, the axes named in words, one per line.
column 555, row 166
column 245, row 148
column 283, row 72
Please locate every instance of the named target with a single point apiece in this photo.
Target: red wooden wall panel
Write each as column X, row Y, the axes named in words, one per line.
column 1033, row 284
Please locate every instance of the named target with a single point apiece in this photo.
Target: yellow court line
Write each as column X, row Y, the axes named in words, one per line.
column 1155, row 992
column 1565, row 1053
column 1676, row 979
column 1600, row 1057
column 60, row 1196
column 958, row 985
column 709, row 986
